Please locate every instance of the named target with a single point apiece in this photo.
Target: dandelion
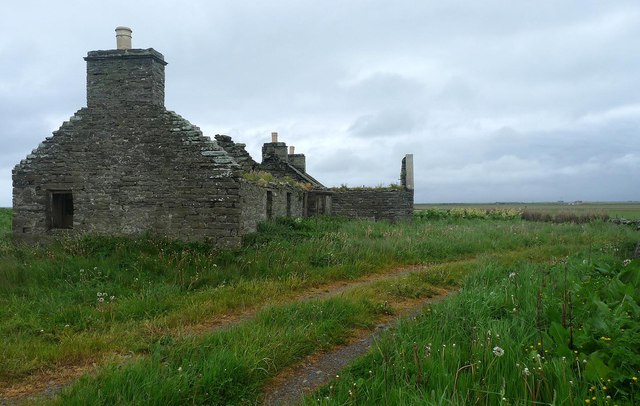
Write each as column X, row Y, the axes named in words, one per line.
column 512, row 275
column 635, row 379
column 100, row 299
column 626, row 262
column 526, row 372
column 498, row 352
column 179, row 369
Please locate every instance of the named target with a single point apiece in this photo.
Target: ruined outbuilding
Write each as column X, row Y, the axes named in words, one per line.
column 125, row 165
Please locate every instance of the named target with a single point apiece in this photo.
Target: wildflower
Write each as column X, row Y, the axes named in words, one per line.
column 427, row 350
column 635, row 379
column 498, row 352
column 179, row 369
column 626, row 262
column 587, row 401
column 112, row 297
column 512, row 275
column 526, row 372
column 100, row 299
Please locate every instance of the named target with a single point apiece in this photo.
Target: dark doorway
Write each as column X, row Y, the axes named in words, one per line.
column 288, row 204
column 61, row 209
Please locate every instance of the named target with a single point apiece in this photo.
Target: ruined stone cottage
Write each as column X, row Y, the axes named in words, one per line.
column 125, row 165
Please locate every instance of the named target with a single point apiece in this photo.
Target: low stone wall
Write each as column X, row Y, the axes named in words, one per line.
column 261, row 203
column 373, row 204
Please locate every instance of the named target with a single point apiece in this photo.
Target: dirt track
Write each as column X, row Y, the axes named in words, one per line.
column 314, row 371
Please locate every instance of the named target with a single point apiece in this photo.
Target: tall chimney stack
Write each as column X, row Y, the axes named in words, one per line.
column 123, row 38
column 274, row 137
column 125, row 77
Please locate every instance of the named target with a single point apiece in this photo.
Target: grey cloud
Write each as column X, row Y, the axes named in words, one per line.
column 525, row 100
column 385, row 123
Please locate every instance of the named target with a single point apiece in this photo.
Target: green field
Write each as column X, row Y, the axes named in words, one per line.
column 561, row 300
column 627, row 210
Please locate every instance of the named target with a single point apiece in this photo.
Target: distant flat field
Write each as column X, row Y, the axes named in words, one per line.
column 628, row 210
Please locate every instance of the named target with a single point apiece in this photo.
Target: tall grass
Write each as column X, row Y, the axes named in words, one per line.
column 564, row 332
column 84, row 298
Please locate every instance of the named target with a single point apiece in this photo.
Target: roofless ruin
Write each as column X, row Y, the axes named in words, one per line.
column 125, row 165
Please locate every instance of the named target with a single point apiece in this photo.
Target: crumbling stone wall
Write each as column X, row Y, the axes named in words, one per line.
column 285, row 201
column 237, row 151
column 148, row 170
column 124, row 165
column 373, row 204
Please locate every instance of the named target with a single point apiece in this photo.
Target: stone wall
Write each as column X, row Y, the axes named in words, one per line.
column 284, row 201
column 143, row 170
column 373, row 204
column 237, row 151
column 122, row 78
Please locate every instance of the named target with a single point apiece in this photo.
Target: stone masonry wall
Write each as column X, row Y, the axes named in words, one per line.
column 143, row 170
column 253, row 198
column 374, row 204
column 125, row 77
column 237, row 151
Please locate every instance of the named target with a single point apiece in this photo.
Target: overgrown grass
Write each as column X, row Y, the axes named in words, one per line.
column 565, row 332
column 84, row 298
column 230, row 366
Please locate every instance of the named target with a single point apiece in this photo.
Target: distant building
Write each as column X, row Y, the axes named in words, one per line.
column 125, row 165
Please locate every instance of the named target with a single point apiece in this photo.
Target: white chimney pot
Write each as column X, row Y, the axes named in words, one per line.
column 123, row 37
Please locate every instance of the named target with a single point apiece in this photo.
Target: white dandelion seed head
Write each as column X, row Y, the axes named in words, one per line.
column 498, row 352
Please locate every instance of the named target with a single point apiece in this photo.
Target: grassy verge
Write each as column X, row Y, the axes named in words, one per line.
column 566, row 332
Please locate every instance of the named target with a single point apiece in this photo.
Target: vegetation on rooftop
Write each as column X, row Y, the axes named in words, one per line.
column 264, row 178
column 345, row 188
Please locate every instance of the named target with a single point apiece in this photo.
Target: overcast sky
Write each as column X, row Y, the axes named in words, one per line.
column 497, row 100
